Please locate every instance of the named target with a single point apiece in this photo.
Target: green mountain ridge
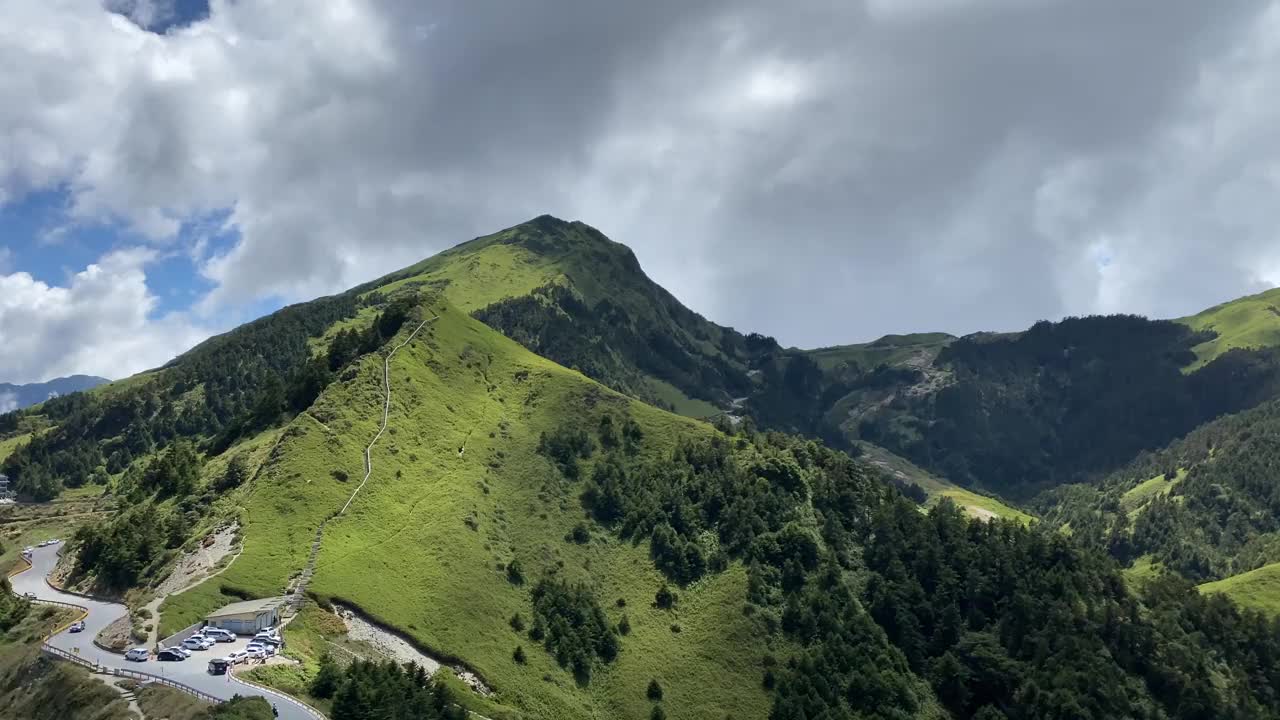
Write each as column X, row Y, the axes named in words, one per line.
column 1250, row 322
column 588, row 554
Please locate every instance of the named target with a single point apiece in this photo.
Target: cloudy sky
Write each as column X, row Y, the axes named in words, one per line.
column 824, row 171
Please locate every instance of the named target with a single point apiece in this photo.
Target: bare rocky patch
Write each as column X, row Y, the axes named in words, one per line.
column 392, row 646
column 196, row 565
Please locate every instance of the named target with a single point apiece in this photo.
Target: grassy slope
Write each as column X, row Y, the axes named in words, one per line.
column 513, row 262
column 1249, row 322
column 1258, row 589
column 888, row 350
column 974, row 504
column 1137, row 497
column 405, row 555
column 682, row 404
column 33, row 687
column 8, row 445
column 487, row 273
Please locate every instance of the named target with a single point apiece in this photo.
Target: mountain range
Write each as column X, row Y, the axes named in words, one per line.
column 16, row 397
column 602, row 504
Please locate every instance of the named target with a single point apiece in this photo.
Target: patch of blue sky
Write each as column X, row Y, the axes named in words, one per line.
column 40, row 240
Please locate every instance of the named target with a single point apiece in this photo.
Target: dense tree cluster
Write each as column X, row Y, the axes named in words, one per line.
column 387, row 691
column 893, row 609
column 570, row 624
column 123, row 551
column 1066, row 400
column 1217, row 512
column 199, row 395
column 221, row 390
column 619, row 344
column 1023, row 622
column 565, row 446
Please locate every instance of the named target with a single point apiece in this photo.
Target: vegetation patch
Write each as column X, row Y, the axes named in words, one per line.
column 1257, row 589
column 1249, row 322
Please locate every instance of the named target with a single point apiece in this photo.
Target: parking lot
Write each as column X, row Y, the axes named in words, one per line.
column 200, row 658
column 194, row 671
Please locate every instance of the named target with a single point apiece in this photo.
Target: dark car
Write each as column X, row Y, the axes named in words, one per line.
column 77, row 626
column 170, row 654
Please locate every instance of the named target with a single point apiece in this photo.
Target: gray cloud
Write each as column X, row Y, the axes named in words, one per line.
column 824, row 172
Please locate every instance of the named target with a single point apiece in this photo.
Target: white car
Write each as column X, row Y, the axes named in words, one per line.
column 185, row 652
column 255, row 652
column 138, row 654
column 235, row 657
column 197, row 642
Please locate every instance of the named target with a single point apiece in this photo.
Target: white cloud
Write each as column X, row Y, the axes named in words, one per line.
column 8, row 402
column 781, row 167
column 101, row 323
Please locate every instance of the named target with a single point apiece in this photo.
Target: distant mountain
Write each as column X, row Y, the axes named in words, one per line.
column 1061, row 402
column 16, row 397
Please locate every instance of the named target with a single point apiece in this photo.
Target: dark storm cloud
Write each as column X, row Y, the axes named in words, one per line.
column 822, row 171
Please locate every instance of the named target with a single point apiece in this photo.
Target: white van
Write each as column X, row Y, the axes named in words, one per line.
column 218, row 634
column 138, row 654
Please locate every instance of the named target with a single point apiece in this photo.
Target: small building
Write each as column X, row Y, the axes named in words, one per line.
column 248, row 617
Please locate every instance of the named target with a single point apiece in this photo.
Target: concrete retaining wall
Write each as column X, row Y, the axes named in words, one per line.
column 179, row 636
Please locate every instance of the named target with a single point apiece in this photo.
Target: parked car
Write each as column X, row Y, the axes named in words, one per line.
column 237, row 656
column 186, row 653
column 265, row 637
column 255, row 652
column 138, row 654
column 219, row 635
column 29, row 595
column 258, row 650
column 197, row 642
column 77, row 626
column 170, row 654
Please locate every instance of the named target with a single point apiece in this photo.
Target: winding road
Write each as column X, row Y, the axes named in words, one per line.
column 192, row 672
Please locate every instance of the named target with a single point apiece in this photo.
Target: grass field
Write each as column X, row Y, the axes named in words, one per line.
column 682, row 404
column 975, row 504
column 157, row 701
column 1258, row 589
column 1137, row 497
column 1142, row 570
column 492, row 273
column 458, row 492
column 8, row 445
column 1249, row 322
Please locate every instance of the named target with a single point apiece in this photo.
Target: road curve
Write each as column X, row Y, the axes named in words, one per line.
column 192, row 672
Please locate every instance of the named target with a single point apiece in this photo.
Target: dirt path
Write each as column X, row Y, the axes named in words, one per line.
column 386, row 412
column 298, row 593
column 191, row 570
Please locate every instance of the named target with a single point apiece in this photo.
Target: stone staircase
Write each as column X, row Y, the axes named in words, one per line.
column 298, row 592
